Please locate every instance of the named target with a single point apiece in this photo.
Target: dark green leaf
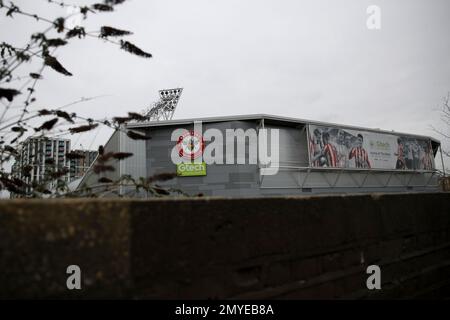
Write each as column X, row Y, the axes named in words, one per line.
column 8, row 94
column 131, row 48
column 55, row 65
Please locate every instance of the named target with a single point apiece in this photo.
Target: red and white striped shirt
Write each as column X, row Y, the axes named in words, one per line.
column 427, row 162
column 361, row 157
column 400, row 154
column 314, row 149
column 331, row 155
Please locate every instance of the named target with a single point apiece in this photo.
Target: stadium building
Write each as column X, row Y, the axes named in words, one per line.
column 313, row 157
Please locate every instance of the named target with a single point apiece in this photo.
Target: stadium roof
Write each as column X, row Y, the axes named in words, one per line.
column 270, row 119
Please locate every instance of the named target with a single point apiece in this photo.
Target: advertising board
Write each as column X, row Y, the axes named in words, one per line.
column 348, row 148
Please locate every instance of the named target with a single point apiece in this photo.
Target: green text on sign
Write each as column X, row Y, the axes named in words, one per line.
column 191, row 169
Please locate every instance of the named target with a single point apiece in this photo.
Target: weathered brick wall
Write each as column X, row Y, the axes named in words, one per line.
column 40, row 238
column 290, row 247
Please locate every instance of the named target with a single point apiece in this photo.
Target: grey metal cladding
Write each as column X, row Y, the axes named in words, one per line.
column 292, row 146
column 241, row 177
column 90, row 178
column 219, row 177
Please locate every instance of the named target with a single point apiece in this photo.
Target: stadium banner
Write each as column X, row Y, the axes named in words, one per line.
column 348, row 148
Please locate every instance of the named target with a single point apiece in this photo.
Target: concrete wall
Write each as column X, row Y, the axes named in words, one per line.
column 290, row 247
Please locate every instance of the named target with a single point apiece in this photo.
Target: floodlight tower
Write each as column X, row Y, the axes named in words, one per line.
column 165, row 107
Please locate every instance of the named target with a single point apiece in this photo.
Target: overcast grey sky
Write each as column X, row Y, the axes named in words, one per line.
column 307, row 59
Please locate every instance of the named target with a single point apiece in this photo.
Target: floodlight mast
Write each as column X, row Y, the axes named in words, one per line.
column 165, row 107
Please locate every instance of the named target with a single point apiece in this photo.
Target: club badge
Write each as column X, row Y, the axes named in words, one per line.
column 190, row 145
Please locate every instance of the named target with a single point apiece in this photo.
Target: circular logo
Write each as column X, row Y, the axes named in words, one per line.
column 190, row 145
